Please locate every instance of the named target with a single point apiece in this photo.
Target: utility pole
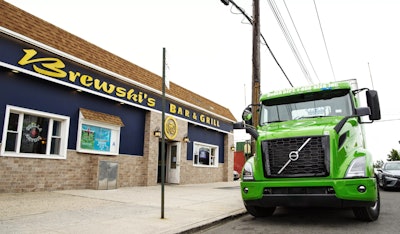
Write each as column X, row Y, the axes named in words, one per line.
column 255, row 22
column 256, row 67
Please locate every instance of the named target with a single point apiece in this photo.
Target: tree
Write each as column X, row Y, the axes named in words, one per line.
column 378, row 164
column 393, row 156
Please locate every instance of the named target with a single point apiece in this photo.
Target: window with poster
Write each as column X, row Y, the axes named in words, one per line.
column 98, row 133
column 205, row 155
column 34, row 134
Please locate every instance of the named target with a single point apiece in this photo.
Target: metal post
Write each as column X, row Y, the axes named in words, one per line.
column 163, row 138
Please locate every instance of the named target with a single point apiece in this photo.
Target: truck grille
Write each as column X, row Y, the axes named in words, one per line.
column 311, row 159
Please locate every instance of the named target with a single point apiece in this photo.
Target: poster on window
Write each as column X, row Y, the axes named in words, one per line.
column 34, row 133
column 95, row 138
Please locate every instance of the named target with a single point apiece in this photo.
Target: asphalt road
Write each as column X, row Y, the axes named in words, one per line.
column 317, row 220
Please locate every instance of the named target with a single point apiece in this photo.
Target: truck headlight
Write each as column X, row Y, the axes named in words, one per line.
column 356, row 168
column 248, row 171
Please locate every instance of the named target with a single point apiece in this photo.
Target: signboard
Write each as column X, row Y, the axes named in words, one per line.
column 95, row 138
column 65, row 71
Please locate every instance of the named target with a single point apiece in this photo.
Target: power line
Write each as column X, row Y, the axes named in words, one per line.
column 323, row 36
column 276, row 61
column 262, row 36
column 289, row 39
column 301, row 41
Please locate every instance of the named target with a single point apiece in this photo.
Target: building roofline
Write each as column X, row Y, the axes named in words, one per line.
column 103, row 70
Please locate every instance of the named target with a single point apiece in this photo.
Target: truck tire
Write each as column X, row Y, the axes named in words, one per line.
column 257, row 211
column 368, row 213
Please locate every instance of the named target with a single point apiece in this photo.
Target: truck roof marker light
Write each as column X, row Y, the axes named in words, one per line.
column 326, row 88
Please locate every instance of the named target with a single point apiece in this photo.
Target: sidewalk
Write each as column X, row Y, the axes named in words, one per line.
column 123, row 210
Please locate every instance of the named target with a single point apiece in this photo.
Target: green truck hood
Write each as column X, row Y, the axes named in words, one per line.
column 301, row 127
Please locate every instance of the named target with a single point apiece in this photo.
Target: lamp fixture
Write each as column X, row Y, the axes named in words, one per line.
column 186, row 139
column 233, row 148
column 157, row 132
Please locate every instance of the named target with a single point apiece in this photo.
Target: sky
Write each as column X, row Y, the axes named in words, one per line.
column 209, row 46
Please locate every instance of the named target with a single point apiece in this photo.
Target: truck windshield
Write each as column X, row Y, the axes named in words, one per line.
column 308, row 105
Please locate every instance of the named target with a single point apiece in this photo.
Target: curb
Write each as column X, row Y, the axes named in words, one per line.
column 225, row 219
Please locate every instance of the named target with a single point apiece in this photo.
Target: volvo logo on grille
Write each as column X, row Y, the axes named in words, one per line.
column 294, row 155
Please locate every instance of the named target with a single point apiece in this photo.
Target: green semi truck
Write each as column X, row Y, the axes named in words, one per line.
column 310, row 150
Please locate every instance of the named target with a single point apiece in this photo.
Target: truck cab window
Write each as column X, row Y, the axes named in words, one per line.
column 311, row 105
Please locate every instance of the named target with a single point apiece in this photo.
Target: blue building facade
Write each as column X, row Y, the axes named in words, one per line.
column 69, row 124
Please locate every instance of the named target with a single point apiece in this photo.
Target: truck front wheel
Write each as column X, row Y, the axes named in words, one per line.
column 257, row 211
column 370, row 213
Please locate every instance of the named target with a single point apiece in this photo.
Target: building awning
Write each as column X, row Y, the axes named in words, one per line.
column 101, row 117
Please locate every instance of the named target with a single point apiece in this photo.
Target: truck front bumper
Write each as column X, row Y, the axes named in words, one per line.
column 319, row 193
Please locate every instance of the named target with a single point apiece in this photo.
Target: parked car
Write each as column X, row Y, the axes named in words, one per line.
column 388, row 175
column 236, row 175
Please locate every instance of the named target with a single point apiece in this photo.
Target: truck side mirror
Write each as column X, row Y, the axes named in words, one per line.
column 363, row 111
column 373, row 104
column 247, row 115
